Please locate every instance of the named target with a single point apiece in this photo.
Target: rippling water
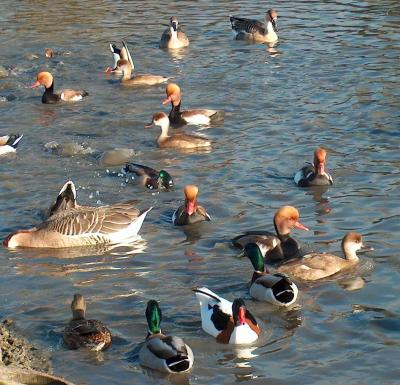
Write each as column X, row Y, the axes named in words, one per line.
column 333, row 81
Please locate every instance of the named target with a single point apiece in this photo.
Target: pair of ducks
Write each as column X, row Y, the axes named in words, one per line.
column 9, row 143
column 168, row 354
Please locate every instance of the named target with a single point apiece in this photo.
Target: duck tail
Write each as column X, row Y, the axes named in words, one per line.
column 202, row 293
column 178, row 363
column 283, row 289
column 13, row 140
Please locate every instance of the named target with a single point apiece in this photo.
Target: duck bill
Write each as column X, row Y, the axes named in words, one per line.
column 300, row 226
column 167, row 100
column 149, row 125
column 321, row 169
column 108, row 70
column 275, row 25
column 365, row 248
column 242, row 316
column 190, row 207
column 36, row 84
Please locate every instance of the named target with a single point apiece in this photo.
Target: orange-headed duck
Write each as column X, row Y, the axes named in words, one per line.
column 315, row 174
column 178, row 117
column 45, row 79
column 279, row 246
column 190, row 212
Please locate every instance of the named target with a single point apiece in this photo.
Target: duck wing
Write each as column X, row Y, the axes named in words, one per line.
column 240, row 24
column 141, row 170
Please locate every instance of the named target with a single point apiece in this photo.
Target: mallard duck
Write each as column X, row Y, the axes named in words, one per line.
column 190, row 212
column 179, row 141
column 283, row 246
column 49, row 97
column 315, row 174
column 253, row 30
column 229, row 323
column 277, row 289
column 126, row 67
column 81, row 225
column 168, row 354
column 315, row 266
column 82, row 332
column 9, row 143
column 178, row 117
column 118, row 54
column 173, row 37
column 152, row 179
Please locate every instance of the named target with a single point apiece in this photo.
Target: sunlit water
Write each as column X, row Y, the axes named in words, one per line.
column 334, row 81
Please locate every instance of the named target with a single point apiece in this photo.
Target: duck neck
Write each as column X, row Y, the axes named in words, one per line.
column 164, row 129
column 282, row 234
column 126, row 74
column 174, row 34
column 256, row 275
column 270, row 29
column 78, row 314
column 175, row 113
column 350, row 253
column 50, row 89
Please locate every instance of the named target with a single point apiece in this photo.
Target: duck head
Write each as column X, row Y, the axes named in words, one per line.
column 191, row 192
column 319, row 161
column 153, row 317
column 287, row 218
column 173, row 22
column 351, row 243
column 272, row 16
column 241, row 316
column 124, row 66
column 165, row 180
column 159, row 119
column 43, row 79
column 173, row 92
column 78, row 307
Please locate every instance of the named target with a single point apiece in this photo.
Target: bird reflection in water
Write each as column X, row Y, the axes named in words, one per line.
column 28, row 260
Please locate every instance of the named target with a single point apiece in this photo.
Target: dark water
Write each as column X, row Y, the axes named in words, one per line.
column 334, row 81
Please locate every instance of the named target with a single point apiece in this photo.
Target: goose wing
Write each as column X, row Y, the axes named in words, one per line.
column 92, row 220
column 240, row 24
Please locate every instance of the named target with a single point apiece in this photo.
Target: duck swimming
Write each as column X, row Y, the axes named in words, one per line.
column 149, row 177
column 9, row 143
column 180, row 118
column 315, row 266
column 229, row 323
column 50, row 97
column 283, row 246
column 277, row 289
column 253, row 30
column 127, row 79
column 82, row 226
column 168, row 354
column 81, row 332
column 173, row 37
column 315, row 174
column 190, row 212
column 180, row 141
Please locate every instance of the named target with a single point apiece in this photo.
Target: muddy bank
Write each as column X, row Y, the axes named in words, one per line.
column 17, row 351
